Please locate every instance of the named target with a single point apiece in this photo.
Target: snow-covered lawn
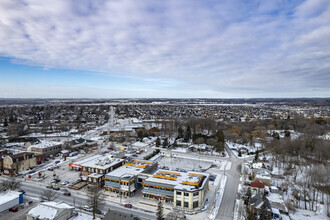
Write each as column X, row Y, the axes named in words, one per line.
column 302, row 214
column 235, row 147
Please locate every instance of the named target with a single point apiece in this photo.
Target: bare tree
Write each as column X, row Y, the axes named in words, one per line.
column 49, row 195
column 12, row 184
column 95, row 199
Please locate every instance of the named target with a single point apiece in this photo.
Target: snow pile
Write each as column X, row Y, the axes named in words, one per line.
column 218, row 199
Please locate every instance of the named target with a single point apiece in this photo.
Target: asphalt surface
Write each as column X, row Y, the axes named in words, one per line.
column 226, row 211
column 79, row 200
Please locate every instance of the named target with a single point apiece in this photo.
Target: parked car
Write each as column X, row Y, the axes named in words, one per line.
column 56, row 188
column 56, row 162
column 49, row 187
column 67, row 193
column 87, row 208
column 13, row 209
column 127, row 205
column 55, row 181
column 65, row 183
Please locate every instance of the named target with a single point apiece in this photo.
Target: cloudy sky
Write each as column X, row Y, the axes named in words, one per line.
column 170, row 48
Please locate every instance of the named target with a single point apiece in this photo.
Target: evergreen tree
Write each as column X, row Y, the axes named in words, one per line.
column 276, row 135
column 160, row 211
column 175, row 144
column 157, row 142
column 220, row 136
column 165, row 142
column 5, row 123
column 256, row 156
column 220, row 141
column 187, row 135
column 180, row 132
column 287, row 133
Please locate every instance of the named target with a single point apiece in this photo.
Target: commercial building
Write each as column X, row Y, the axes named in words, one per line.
column 97, row 164
column 127, row 179
column 81, row 144
column 16, row 163
column 46, row 149
column 10, row 199
column 184, row 190
column 94, row 168
column 50, row 211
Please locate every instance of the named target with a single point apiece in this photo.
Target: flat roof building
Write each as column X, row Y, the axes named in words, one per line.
column 184, row 190
column 125, row 180
column 46, row 148
column 94, row 168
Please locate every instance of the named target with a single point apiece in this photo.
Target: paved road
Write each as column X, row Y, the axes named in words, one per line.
column 80, row 200
column 226, row 211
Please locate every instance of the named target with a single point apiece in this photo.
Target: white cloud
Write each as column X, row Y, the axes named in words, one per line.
column 227, row 48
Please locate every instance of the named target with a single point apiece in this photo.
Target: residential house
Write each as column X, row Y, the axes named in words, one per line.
column 260, row 206
column 258, row 186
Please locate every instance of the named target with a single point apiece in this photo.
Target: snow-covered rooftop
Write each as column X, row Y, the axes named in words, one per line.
column 8, row 196
column 98, row 161
column 48, row 210
column 131, row 169
column 46, row 144
column 180, row 180
column 95, row 175
column 126, row 171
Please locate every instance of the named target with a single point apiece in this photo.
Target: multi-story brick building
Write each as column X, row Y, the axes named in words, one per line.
column 16, row 163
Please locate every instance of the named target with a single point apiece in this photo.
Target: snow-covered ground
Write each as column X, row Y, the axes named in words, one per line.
column 218, row 198
column 185, row 163
column 293, row 134
column 302, row 214
column 235, row 147
column 83, row 216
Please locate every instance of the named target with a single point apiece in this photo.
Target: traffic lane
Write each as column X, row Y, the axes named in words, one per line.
column 226, row 210
column 80, row 201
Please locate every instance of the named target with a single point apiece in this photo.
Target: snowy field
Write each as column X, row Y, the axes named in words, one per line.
column 184, row 163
